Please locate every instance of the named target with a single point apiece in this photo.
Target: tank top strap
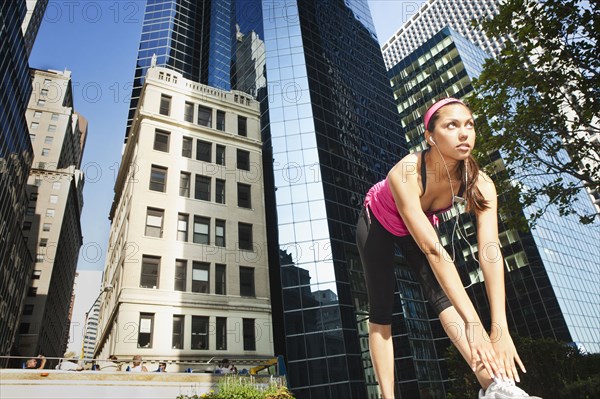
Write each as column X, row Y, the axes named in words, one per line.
column 423, row 170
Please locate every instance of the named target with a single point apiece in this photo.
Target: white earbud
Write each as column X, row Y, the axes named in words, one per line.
column 431, row 140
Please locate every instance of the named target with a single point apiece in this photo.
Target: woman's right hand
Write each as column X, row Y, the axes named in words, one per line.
column 482, row 349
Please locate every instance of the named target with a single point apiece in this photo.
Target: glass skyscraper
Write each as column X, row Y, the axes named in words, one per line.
column 330, row 130
column 552, row 275
column 16, row 155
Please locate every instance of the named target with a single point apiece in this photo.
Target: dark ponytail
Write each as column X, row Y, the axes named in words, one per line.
column 475, row 200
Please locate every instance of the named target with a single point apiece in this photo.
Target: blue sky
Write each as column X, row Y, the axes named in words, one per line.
column 98, row 41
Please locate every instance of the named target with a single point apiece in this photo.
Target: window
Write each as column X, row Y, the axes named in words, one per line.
column 244, row 200
column 37, row 114
column 52, row 128
column 56, row 185
column 43, row 242
column 184, row 184
column 34, row 126
column 178, row 324
column 186, row 147
column 39, row 257
column 220, row 233
column 165, row 104
column 158, row 178
column 220, row 153
column 247, row 281
column 50, row 213
column 44, row 92
column 28, row 310
column 41, row 102
column 54, row 199
column 180, row 275
column 145, row 330
column 199, row 332
column 38, row 182
column 33, row 196
column 32, row 137
column 30, row 211
column 201, row 228
column 188, row 112
column 221, row 120
column 161, row 140
column 200, row 277
column 24, row 328
column 242, row 126
column 45, row 152
column 154, row 222
column 37, row 274
column 204, row 116
column 26, row 225
column 202, row 188
column 47, row 227
column 245, row 236
column 48, row 140
column 249, row 335
column 243, row 160
column 149, row 275
column 220, row 279
column 220, row 191
column 182, row 227
column 32, row 291
column 203, row 151
column 221, row 333
column 54, row 117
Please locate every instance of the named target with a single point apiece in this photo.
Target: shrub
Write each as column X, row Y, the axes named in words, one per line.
column 235, row 387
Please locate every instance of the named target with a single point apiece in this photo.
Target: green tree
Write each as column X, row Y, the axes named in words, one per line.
column 538, row 104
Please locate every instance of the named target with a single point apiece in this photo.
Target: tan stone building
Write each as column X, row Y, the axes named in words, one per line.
column 52, row 222
column 187, row 261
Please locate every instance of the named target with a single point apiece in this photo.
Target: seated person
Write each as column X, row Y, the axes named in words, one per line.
column 138, row 366
column 33, row 362
column 162, row 367
column 69, row 363
column 111, row 365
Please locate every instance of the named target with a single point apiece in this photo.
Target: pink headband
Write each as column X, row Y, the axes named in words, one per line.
column 437, row 105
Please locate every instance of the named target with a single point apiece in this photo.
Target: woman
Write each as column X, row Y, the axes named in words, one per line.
column 400, row 210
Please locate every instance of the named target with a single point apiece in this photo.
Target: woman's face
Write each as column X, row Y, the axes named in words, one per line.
column 454, row 131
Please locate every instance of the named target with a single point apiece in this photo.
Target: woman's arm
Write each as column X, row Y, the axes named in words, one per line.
column 405, row 189
column 492, row 266
column 490, row 257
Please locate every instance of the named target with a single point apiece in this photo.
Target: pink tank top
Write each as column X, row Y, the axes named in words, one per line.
column 381, row 202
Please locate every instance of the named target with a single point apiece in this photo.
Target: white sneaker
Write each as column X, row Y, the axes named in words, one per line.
column 504, row 389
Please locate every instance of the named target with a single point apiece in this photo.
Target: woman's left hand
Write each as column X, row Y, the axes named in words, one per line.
column 506, row 353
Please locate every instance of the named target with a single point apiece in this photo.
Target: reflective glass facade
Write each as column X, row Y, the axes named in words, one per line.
column 16, row 155
column 332, row 131
column 552, row 274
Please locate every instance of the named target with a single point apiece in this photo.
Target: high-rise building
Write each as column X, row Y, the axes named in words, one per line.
column 433, row 16
column 16, row 155
column 194, row 38
column 187, row 258
column 539, row 270
column 329, row 131
column 52, row 222
column 33, row 20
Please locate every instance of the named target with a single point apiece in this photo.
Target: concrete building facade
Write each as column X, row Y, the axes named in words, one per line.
column 52, row 221
column 187, row 249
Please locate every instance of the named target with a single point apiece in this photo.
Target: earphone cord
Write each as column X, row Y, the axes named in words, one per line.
column 456, row 227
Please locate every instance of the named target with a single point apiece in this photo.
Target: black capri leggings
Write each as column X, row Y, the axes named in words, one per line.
column 376, row 249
